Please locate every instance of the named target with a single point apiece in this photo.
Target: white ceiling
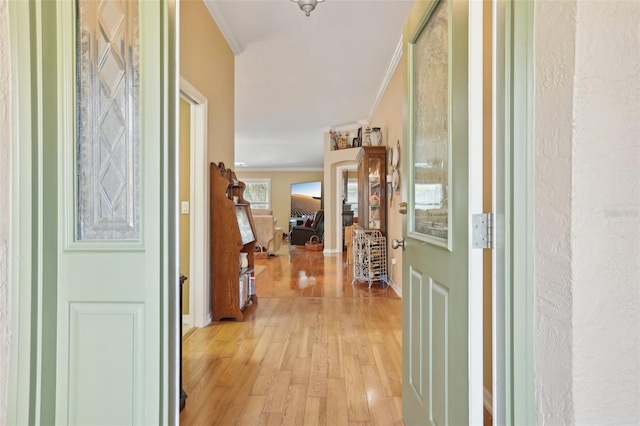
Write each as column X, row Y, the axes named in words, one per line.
column 298, row 76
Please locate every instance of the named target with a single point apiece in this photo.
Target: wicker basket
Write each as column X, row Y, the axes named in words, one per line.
column 260, row 252
column 314, row 244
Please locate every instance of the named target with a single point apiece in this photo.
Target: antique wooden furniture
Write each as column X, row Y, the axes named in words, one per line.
column 372, row 185
column 232, row 232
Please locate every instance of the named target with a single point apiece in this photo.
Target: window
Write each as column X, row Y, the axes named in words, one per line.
column 352, row 195
column 428, row 196
column 258, row 193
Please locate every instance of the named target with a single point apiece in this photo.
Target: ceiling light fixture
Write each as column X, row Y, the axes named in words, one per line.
column 307, row 6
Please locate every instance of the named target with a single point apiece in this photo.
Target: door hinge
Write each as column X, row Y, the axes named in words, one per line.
column 482, row 231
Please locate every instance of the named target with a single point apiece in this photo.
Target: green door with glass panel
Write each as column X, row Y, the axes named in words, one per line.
column 439, row 386
column 99, row 77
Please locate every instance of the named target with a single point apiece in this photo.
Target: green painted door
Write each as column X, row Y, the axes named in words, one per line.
column 442, row 334
column 104, row 93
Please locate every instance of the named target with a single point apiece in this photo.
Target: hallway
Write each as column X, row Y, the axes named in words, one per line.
column 314, row 350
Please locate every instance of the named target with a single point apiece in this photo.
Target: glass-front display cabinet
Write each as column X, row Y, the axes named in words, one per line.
column 372, row 182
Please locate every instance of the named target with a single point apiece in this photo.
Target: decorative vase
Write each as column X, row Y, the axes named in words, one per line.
column 244, row 260
column 376, row 136
column 366, row 139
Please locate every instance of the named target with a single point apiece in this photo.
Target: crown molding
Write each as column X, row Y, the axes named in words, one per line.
column 224, row 27
column 395, row 59
column 346, row 127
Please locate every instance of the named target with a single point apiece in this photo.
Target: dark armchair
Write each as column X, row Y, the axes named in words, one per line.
column 301, row 234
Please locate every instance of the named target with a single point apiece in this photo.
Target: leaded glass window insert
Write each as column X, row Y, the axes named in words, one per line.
column 108, row 139
column 431, row 126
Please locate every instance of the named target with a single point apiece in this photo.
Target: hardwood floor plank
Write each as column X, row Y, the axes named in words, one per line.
column 318, row 371
column 301, row 371
column 205, row 414
column 305, row 345
column 269, row 370
column 293, row 413
column 271, row 419
column 315, row 411
column 397, row 401
column 390, row 377
column 365, row 353
column 291, row 352
column 235, row 398
column 277, row 396
column 250, row 416
column 335, row 363
column 376, row 396
column 395, row 409
column 336, row 413
column 357, row 406
column 261, row 347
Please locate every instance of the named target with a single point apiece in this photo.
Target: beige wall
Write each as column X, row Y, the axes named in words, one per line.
column 389, row 117
column 184, row 195
column 281, row 190
column 207, row 63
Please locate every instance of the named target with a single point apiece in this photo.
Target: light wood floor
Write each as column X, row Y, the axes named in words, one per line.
column 314, row 350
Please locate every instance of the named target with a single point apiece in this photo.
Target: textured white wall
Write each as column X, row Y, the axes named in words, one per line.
column 587, row 229
column 606, row 213
column 554, row 34
column 5, row 207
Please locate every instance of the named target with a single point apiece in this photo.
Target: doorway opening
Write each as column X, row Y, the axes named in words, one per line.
column 197, row 209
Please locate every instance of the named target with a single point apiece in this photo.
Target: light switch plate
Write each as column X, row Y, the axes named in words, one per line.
column 185, row 207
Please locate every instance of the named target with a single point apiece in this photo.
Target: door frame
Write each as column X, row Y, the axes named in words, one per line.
column 513, row 187
column 199, row 308
column 341, row 168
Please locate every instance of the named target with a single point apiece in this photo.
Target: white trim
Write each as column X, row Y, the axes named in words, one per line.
column 224, row 27
column 488, row 400
column 338, row 203
column 346, row 127
column 331, row 251
column 199, row 306
column 395, row 287
column 499, row 44
column 475, row 183
column 395, row 59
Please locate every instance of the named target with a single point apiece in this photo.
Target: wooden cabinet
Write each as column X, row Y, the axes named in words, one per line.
column 372, row 185
column 347, row 220
column 232, row 232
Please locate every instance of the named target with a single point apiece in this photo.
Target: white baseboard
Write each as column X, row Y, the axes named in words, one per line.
column 186, row 320
column 332, row 251
column 488, row 400
column 395, row 287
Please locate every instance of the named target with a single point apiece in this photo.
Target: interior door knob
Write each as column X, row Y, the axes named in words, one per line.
column 395, row 243
column 402, row 208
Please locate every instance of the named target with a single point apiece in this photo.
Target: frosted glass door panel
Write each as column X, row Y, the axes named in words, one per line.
column 108, row 141
column 431, row 127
